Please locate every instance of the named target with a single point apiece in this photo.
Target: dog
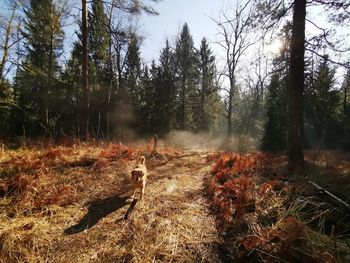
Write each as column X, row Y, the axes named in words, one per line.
column 139, row 178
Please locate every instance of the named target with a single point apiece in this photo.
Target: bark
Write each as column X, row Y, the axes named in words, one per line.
column 84, row 116
column 182, row 107
column 295, row 89
column 230, row 107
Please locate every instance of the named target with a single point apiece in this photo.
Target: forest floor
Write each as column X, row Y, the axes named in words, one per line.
column 71, row 203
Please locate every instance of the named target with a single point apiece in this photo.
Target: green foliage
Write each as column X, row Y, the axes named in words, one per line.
column 99, row 73
column 186, row 77
column 207, row 88
column 345, row 142
column 322, row 109
column 6, row 106
column 36, row 81
column 275, row 133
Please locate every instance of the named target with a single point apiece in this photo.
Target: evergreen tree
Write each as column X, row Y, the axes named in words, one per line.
column 322, row 103
column 6, row 105
column 72, row 91
column 186, row 79
column 99, row 73
column 275, row 129
column 206, row 68
column 346, row 112
column 166, row 90
column 36, row 80
column 275, row 132
column 133, row 69
column 132, row 80
column 147, row 107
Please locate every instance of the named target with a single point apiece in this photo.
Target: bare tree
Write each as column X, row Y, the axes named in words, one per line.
column 235, row 39
column 10, row 39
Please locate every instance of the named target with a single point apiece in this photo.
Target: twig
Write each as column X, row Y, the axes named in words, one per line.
column 329, row 193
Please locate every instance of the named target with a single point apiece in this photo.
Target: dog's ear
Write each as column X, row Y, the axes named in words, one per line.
column 143, row 160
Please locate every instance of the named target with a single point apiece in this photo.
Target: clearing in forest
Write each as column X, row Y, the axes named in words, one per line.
column 65, row 204
column 71, row 204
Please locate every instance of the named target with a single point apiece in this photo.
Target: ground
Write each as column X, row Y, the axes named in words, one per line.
column 71, row 203
column 171, row 224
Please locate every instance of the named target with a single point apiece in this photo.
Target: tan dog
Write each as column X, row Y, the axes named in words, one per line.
column 139, row 177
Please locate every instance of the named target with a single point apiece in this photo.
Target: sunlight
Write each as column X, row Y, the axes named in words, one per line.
column 275, row 46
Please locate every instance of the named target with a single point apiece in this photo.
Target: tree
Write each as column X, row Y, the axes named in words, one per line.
column 346, row 112
column 272, row 13
column 206, row 68
column 185, row 75
column 296, row 88
column 275, row 132
column 84, row 107
column 165, row 93
column 132, row 81
column 322, row 118
column 99, row 67
column 37, row 78
column 236, row 40
column 9, row 41
column 133, row 70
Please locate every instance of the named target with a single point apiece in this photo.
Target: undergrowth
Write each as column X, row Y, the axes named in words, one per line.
column 265, row 216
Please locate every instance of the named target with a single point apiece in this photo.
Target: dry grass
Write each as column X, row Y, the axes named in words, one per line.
column 67, row 203
column 264, row 216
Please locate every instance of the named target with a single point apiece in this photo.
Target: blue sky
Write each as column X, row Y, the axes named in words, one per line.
column 173, row 14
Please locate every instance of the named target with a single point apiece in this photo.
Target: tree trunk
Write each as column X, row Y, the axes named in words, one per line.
column 183, row 101
column 230, row 107
column 84, row 113
column 295, row 89
column 345, row 93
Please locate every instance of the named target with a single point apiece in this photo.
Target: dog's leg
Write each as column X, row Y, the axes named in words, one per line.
column 143, row 189
column 133, row 193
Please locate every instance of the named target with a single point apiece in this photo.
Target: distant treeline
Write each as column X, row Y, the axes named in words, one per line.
column 181, row 90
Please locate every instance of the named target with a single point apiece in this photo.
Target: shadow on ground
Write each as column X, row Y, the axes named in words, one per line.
column 97, row 210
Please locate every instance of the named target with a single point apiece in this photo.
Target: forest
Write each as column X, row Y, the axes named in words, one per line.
column 245, row 135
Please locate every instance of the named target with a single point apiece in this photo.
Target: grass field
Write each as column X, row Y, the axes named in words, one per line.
column 70, row 203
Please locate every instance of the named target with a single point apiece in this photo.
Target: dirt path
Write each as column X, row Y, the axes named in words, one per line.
column 171, row 224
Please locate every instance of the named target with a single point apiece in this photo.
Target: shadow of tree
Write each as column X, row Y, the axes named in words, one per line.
column 97, row 210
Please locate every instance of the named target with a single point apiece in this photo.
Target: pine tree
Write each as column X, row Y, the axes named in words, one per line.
column 322, row 108
column 275, row 132
column 72, row 91
column 275, row 129
column 132, row 80
column 36, row 80
column 99, row 73
column 133, row 68
column 206, row 68
column 345, row 143
column 186, row 78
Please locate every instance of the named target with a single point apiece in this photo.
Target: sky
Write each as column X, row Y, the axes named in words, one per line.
column 172, row 15
column 197, row 14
